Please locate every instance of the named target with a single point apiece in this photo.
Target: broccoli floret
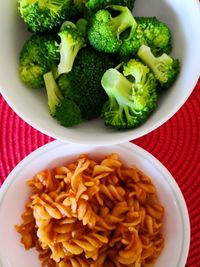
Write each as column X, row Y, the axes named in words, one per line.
column 83, row 83
column 131, row 99
column 42, row 15
column 39, row 55
column 64, row 110
column 82, row 26
column 95, row 5
column 105, row 31
column 68, row 113
column 164, row 67
column 150, row 32
column 156, row 34
column 72, row 40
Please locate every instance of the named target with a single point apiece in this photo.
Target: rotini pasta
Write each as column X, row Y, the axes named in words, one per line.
column 93, row 213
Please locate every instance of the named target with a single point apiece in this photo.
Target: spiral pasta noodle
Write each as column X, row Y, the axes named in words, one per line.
column 93, row 213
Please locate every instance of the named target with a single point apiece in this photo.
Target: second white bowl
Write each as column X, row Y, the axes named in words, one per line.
column 14, row 194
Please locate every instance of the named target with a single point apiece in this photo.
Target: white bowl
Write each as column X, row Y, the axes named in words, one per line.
column 183, row 18
column 14, row 194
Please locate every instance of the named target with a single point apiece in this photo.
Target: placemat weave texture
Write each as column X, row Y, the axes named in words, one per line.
column 176, row 144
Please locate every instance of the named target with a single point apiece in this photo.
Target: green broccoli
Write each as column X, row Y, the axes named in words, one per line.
column 95, row 5
column 42, row 15
column 82, row 26
column 131, row 99
column 156, row 34
column 105, row 31
column 39, row 55
column 72, row 40
column 83, row 83
column 149, row 31
column 64, row 110
column 164, row 67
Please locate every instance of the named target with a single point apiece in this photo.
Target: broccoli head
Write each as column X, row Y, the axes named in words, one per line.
column 164, row 67
column 38, row 55
column 63, row 109
column 68, row 113
column 95, row 5
column 42, row 15
column 105, row 31
column 131, row 99
column 72, row 40
column 83, row 83
column 82, row 26
column 149, row 31
column 156, row 34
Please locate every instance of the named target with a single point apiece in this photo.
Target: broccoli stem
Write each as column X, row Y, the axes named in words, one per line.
column 72, row 40
column 53, row 93
column 156, row 64
column 123, row 21
column 68, row 52
column 115, row 84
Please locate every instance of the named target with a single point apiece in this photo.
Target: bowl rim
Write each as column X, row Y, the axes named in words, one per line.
column 130, row 134
column 134, row 149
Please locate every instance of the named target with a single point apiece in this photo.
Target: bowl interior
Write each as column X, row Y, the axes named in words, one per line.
column 31, row 105
column 14, row 194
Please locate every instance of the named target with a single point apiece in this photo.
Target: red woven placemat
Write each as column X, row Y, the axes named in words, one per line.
column 176, row 144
